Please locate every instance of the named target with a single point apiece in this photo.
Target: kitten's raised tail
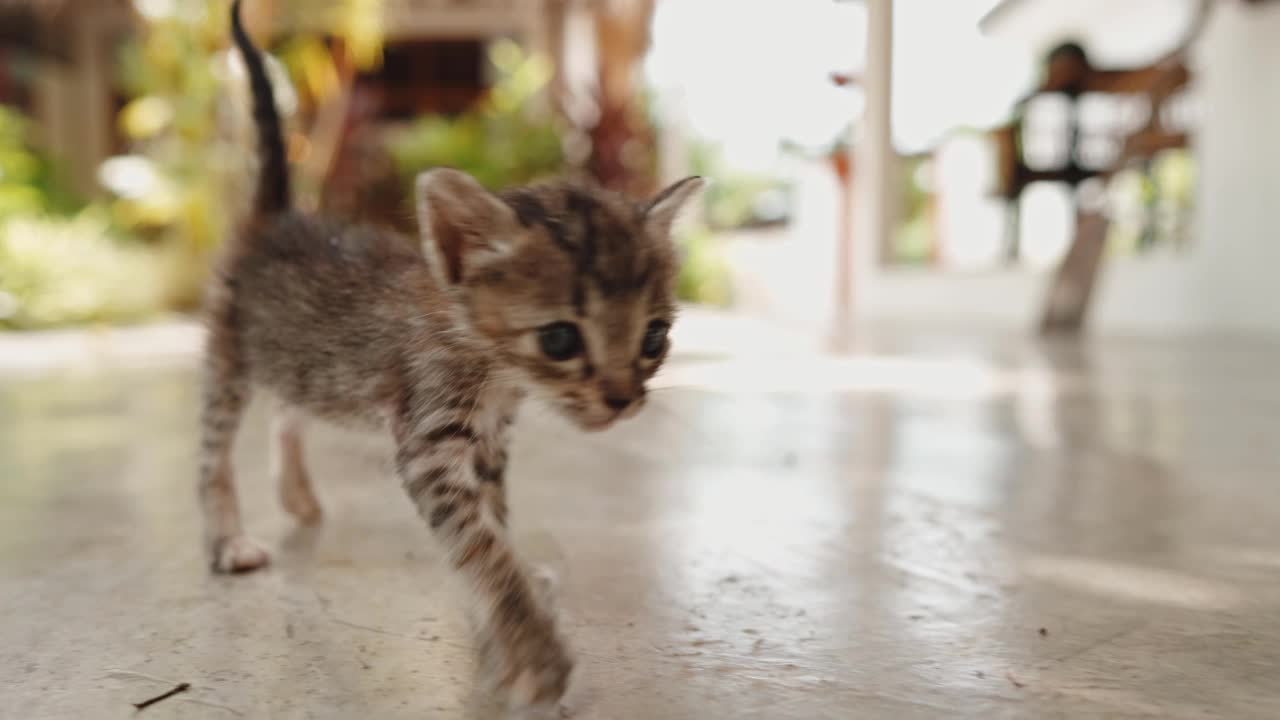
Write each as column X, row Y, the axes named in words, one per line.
column 273, row 178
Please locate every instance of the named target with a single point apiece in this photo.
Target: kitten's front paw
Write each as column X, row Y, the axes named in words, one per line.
column 554, row 711
column 529, row 666
column 238, row 554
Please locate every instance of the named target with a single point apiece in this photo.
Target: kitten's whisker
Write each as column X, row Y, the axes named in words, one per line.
column 670, row 413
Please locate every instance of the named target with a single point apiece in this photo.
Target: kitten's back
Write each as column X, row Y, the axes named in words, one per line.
column 326, row 310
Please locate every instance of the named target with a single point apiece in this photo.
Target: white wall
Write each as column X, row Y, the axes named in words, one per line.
column 1238, row 246
column 1227, row 281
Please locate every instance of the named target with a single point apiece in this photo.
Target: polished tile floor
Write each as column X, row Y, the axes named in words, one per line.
column 930, row 528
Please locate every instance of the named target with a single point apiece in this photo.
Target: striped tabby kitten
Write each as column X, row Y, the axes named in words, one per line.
column 558, row 290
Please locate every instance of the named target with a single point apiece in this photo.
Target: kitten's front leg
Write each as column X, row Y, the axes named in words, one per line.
column 437, row 465
column 491, row 470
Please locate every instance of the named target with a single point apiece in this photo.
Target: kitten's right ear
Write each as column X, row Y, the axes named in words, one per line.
column 665, row 207
column 459, row 222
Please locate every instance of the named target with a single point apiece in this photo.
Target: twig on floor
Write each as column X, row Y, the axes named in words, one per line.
column 181, row 688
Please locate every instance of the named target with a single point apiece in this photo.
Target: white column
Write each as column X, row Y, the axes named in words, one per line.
column 872, row 148
column 1236, row 249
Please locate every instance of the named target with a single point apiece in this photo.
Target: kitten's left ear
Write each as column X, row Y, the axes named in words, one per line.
column 661, row 212
column 460, row 222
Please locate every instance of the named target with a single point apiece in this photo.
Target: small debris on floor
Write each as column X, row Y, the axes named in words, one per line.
column 181, row 688
column 916, row 616
column 1016, row 683
column 1044, row 632
column 979, row 674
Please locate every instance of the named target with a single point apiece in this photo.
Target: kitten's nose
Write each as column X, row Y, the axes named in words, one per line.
column 617, row 403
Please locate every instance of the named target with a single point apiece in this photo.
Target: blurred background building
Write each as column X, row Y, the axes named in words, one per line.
column 978, row 164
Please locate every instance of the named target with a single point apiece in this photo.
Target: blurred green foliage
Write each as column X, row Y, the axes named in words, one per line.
column 705, row 275
column 913, row 239
column 172, row 189
column 146, row 248
column 178, row 186
column 60, row 262
column 29, row 182
column 66, row 270
column 502, row 142
column 1152, row 207
column 734, row 199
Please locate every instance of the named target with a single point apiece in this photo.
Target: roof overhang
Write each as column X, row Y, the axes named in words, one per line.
column 1130, row 33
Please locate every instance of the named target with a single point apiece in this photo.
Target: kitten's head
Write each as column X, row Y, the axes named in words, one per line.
column 572, row 286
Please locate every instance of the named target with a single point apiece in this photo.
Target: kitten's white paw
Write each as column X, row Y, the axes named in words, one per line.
column 526, row 669
column 546, row 585
column 554, row 711
column 238, row 554
column 523, row 706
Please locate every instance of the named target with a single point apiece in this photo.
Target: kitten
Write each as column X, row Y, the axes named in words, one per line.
column 557, row 289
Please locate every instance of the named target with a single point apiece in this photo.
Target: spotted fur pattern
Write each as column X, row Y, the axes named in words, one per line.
column 439, row 347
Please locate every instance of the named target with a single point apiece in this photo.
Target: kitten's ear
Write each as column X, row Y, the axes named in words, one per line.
column 459, row 221
column 664, row 208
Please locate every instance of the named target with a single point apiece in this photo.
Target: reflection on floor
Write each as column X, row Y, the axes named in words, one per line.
column 928, row 529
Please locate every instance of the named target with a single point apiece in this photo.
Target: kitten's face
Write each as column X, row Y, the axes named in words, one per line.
column 582, row 302
column 572, row 286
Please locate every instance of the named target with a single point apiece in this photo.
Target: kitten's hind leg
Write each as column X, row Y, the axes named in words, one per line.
column 289, row 468
column 225, row 393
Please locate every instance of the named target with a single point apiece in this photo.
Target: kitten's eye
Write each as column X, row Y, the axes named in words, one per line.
column 560, row 340
column 655, row 339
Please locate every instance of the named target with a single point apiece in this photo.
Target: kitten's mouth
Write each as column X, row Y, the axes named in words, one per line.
column 595, row 418
column 591, row 425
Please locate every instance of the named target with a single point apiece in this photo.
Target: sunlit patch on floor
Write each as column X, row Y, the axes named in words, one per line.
column 1133, row 582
